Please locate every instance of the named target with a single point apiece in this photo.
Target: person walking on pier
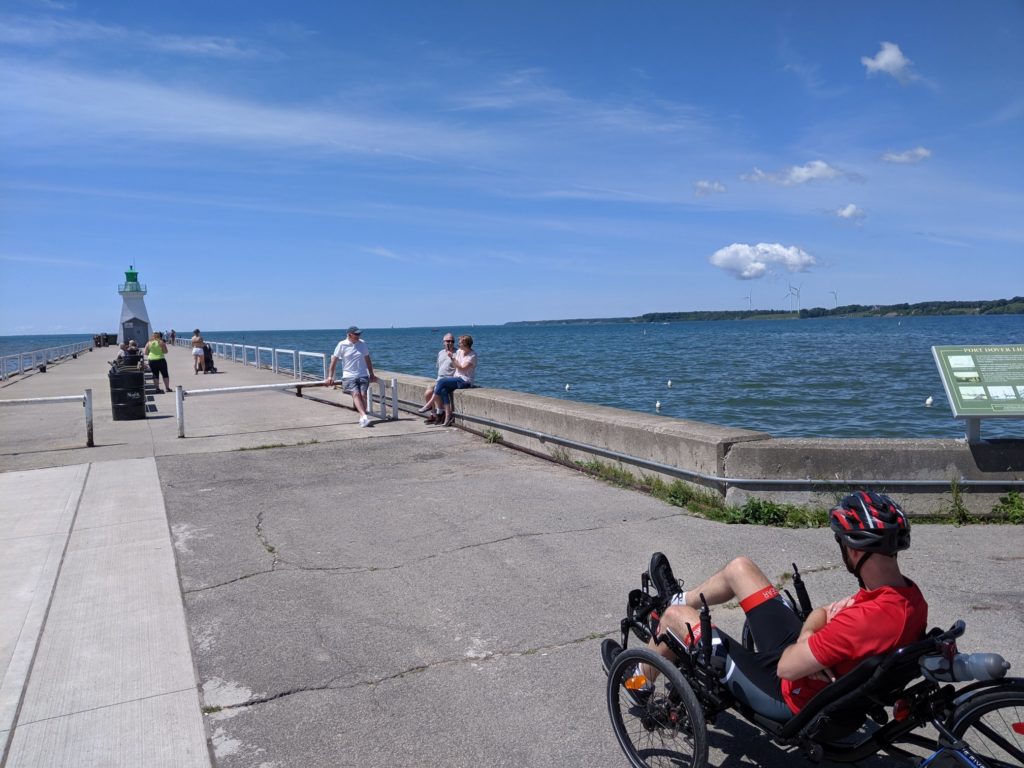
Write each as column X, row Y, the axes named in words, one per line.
column 356, row 370
column 445, row 368
column 156, row 354
column 198, row 354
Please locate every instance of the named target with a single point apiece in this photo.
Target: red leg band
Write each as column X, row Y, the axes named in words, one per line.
column 750, row 602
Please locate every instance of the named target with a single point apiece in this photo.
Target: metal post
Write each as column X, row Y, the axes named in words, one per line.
column 179, row 409
column 394, row 399
column 295, row 364
column 973, row 429
column 88, row 419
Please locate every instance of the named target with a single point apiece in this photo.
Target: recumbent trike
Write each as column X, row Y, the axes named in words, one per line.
column 885, row 704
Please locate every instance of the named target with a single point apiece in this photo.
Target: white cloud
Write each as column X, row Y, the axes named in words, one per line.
column 797, row 174
column 705, row 187
column 40, row 104
column 384, row 253
column 915, row 155
column 850, row 212
column 890, row 61
column 45, row 32
column 749, row 262
column 18, row 258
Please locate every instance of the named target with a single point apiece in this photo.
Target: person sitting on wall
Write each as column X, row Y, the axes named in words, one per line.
column 465, row 372
column 445, row 369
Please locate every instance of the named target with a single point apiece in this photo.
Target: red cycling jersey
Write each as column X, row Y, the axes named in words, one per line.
column 878, row 621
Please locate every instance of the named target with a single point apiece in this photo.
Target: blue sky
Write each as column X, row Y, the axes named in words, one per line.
column 290, row 165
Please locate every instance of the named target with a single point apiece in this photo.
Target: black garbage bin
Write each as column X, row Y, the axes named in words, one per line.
column 127, row 393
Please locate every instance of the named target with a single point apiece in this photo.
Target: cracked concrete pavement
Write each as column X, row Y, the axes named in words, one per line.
column 432, row 599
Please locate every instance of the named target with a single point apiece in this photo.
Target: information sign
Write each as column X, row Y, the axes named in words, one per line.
column 983, row 381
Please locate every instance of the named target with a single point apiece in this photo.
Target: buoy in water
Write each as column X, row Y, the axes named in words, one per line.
column 928, row 401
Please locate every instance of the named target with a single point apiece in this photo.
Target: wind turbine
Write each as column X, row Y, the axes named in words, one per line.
column 835, row 296
column 747, row 297
column 794, row 297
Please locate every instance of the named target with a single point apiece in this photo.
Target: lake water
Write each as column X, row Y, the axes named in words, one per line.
column 830, row 377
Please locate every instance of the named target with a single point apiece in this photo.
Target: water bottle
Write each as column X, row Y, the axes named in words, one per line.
column 965, row 666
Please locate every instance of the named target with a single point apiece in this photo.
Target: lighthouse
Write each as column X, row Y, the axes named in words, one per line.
column 134, row 318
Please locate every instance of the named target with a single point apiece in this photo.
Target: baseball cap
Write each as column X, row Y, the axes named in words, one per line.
column 354, row 329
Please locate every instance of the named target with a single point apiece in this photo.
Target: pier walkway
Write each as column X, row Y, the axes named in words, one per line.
column 285, row 588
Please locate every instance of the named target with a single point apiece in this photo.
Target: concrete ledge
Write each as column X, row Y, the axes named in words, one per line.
column 725, row 452
column 690, row 445
column 882, row 462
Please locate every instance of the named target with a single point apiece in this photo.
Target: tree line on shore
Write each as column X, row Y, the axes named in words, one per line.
column 1014, row 306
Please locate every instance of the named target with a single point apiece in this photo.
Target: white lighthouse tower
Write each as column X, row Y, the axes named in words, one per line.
column 134, row 318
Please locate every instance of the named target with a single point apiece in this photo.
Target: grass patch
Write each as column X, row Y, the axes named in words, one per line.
column 707, row 503
column 1010, row 509
column 493, row 436
column 265, row 446
column 957, row 509
column 756, row 511
column 211, row 710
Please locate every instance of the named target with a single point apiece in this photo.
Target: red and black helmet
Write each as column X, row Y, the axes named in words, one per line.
column 870, row 522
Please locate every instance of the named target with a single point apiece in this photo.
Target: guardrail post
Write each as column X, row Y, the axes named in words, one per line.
column 295, row 365
column 179, row 409
column 88, row 419
column 973, row 429
column 394, row 399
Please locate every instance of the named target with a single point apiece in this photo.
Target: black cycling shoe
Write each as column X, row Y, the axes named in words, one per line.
column 663, row 579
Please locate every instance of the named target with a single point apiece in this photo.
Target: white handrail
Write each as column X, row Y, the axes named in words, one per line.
column 85, row 399
column 37, row 357
column 180, row 393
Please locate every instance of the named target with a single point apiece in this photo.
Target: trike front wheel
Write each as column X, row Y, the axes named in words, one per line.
column 659, row 724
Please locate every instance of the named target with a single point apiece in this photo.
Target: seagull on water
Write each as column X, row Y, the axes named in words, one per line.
column 928, row 401
column 670, row 383
column 657, row 405
column 567, row 387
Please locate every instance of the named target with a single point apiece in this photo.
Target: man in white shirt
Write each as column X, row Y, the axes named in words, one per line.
column 356, row 370
column 445, row 368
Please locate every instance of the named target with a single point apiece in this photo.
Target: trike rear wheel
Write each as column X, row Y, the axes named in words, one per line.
column 992, row 724
column 662, row 726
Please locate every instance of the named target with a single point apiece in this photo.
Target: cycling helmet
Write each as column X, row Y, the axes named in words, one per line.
column 870, row 522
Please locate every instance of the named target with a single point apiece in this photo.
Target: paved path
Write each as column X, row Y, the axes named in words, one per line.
column 394, row 596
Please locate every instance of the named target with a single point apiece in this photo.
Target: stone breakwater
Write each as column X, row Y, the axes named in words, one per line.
column 742, row 464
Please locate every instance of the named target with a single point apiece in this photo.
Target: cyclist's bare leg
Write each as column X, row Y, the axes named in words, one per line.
column 740, row 578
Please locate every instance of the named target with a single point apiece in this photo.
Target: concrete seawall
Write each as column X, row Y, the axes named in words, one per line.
column 732, row 461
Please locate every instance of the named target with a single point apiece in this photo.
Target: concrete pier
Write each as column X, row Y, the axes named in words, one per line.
column 285, row 588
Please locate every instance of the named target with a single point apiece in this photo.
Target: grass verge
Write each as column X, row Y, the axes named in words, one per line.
column 762, row 512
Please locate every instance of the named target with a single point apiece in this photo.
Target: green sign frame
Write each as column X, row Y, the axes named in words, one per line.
column 983, row 380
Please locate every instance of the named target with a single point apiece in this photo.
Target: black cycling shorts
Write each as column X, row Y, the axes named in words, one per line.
column 752, row 677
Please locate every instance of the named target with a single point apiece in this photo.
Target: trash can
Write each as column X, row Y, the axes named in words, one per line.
column 127, row 393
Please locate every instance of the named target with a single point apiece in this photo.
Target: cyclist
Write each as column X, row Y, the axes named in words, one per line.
column 794, row 662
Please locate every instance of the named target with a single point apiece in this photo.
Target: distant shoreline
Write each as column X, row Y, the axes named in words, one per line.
column 1014, row 306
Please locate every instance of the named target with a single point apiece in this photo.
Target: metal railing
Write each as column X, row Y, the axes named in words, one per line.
column 85, row 399
column 14, row 365
column 305, row 366
column 383, row 402
column 720, row 480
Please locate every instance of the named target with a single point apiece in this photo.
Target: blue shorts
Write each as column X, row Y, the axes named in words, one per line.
column 356, row 384
column 444, row 387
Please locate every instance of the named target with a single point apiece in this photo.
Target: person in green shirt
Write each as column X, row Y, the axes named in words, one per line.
column 156, row 354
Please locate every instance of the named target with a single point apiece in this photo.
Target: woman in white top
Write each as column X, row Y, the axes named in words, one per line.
column 465, row 372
